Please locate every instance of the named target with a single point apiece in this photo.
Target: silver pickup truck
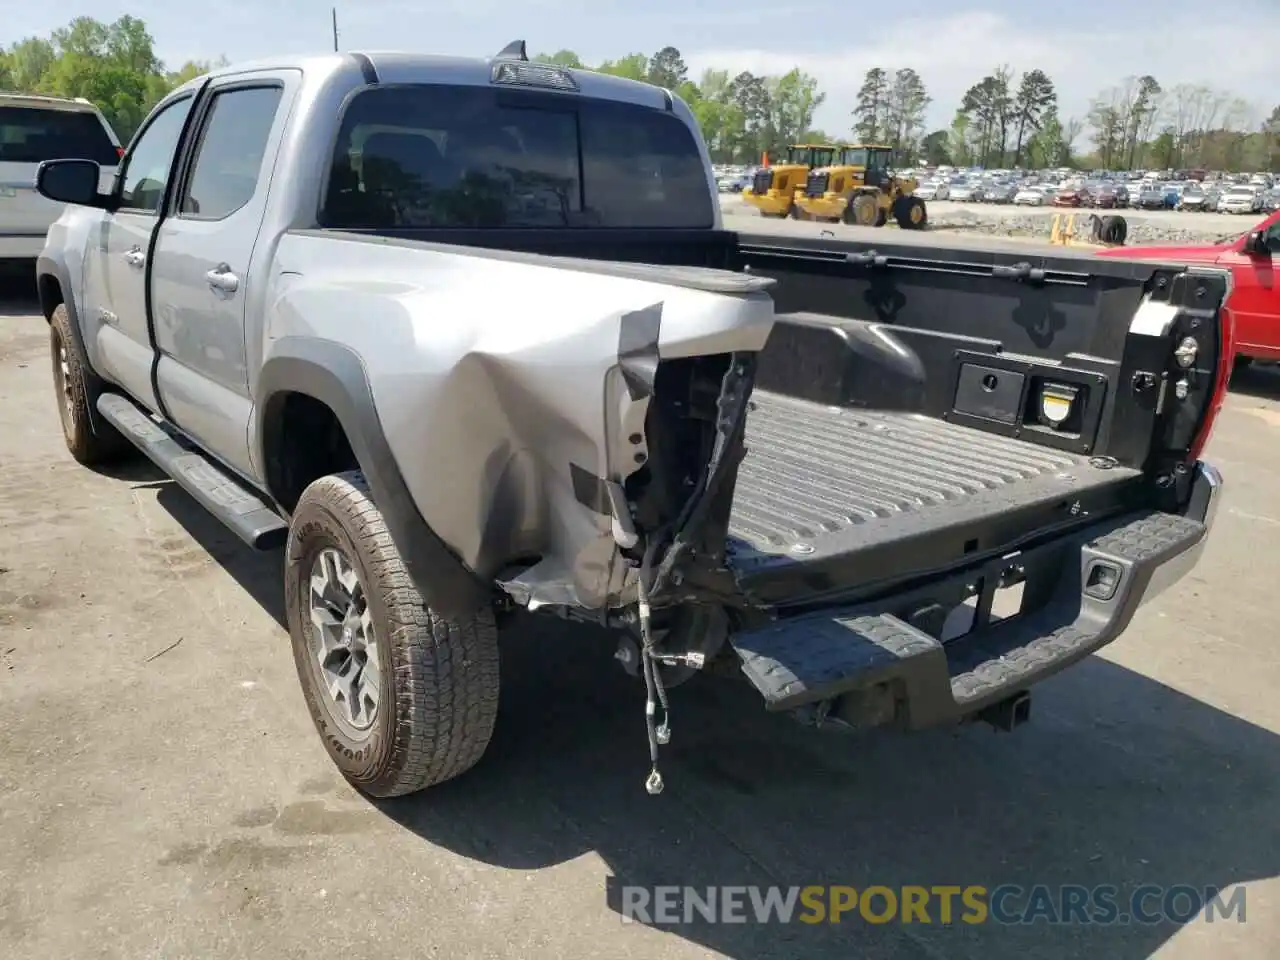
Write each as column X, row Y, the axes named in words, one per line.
column 467, row 336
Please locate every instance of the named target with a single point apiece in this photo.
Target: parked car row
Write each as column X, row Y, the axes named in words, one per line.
column 1225, row 193
column 1259, row 193
column 1155, row 195
column 733, row 179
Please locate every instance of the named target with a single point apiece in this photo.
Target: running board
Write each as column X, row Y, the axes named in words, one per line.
column 226, row 497
column 867, row 666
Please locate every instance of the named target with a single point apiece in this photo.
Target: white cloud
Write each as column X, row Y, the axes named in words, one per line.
column 951, row 53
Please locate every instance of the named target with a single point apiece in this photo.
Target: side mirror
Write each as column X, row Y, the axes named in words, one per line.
column 1255, row 244
column 70, row 181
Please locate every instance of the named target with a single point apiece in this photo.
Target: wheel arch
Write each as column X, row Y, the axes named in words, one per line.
column 54, row 289
column 332, row 375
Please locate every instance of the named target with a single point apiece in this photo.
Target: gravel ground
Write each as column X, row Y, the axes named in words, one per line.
column 163, row 795
column 1145, row 227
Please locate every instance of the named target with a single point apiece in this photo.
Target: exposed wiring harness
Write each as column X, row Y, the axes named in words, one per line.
column 655, row 692
column 735, row 389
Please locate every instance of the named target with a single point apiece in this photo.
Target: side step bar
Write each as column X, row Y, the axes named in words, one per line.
column 868, row 667
column 222, row 494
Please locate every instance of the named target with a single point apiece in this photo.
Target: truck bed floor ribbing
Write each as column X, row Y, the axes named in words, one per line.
column 820, row 480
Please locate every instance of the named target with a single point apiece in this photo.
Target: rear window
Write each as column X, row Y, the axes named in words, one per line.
column 444, row 156
column 31, row 135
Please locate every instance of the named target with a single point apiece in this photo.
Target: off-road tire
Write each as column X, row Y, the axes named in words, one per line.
column 911, row 213
column 1115, row 230
column 862, row 210
column 90, row 439
column 438, row 696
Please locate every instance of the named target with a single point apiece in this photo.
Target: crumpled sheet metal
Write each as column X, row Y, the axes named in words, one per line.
column 511, row 386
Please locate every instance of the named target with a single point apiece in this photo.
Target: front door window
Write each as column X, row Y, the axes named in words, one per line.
column 145, row 170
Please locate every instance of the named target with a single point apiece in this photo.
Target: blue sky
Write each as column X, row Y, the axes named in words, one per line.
column 1084, row 45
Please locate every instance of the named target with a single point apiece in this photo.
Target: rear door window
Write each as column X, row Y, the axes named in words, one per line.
column 445, row 156
column 33, row 135
column 228, row 160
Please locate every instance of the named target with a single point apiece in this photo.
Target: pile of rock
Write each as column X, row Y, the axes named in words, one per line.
column 1037, row 225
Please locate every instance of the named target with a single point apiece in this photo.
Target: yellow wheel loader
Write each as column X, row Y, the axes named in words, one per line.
column 774, row 188
column 859, row 188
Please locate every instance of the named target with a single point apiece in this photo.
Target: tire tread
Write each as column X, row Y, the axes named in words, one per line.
column 91, row 441
column 445, row 673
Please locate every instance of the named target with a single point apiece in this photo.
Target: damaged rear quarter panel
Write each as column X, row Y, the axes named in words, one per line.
column 498, row 383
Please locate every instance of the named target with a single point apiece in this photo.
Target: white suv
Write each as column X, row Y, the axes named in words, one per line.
column 33, row 129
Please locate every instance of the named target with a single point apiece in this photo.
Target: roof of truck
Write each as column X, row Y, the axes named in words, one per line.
column 405, row 67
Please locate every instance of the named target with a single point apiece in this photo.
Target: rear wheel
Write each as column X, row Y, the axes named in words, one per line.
column 911, row 213
column 90, row 438
column 402, row 697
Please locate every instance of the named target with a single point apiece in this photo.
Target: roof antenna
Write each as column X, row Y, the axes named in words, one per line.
column 513, row 51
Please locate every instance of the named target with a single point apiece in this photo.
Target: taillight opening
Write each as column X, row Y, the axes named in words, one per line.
column 1226, row 360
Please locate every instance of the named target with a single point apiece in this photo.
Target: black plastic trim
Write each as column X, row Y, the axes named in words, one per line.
column 47, row 266
column 1092, row 384
column 181, row 159
column 367, row 70
column 589, row 490
column 241, row 508
column 334, row 375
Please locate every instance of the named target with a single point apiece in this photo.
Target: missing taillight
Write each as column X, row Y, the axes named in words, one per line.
column 1206, row 286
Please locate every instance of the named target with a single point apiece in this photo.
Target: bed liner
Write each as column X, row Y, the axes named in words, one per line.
column 824, row 484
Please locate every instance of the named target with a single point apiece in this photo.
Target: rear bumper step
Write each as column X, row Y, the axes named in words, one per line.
column 868, row 667
column 217, row 490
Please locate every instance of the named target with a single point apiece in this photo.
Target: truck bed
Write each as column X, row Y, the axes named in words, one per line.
column 873, row 495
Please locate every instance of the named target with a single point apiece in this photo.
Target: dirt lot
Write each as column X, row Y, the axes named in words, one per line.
column 944, row 210
column 162, row 800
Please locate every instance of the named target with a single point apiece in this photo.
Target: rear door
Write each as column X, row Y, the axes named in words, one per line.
column 33, row 130
column 201, row 276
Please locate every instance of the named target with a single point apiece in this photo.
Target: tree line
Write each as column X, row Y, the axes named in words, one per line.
column 1138, row 123
column 1004, row 119
column 741, row 115
column 114, row 65
column 1008, row 120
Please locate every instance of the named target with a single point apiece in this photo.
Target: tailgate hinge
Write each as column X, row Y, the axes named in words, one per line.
column 1019, row 272
column 867, row 259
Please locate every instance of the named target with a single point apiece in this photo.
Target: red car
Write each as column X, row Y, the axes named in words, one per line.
column 1071, row 197
column 1254, row 302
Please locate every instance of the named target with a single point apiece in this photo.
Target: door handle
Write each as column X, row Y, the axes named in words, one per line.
column 221, row 278
column 134, row 257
